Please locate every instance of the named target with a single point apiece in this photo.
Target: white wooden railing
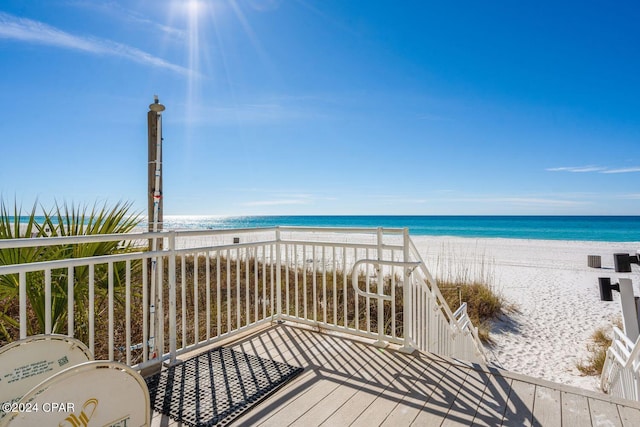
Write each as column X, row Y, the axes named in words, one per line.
column 202, row 286
column 433, row 315
column 620, row 374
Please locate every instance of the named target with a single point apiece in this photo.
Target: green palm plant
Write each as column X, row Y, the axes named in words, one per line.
column 10, row 228
column 63, row 220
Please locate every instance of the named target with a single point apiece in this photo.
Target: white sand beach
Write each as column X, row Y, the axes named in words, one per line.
column 555, row 291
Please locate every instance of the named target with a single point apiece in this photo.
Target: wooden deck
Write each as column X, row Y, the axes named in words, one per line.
column 347, row 381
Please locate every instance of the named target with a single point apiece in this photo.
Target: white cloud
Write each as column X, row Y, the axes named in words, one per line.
column 281, row 202
column 598, row 169
column 528, row 201
column 30, row 31
column 631, row 196
column 284, row 197
column 577, row 169
column 122, row 13
column 542, row 201
column 398, row 198
column 622, row 170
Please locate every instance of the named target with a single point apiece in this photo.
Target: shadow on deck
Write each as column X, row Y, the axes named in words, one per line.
column 347, row 381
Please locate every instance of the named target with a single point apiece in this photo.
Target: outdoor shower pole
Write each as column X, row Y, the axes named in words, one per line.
column 154, row 120
column 154, row 218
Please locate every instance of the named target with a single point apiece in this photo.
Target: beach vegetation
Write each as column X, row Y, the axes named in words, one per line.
column 250, row 283
column 600, row 342
column 227, row 292
column 63, row 220
column 471, row 279
column 230, row 293
column 484, row 304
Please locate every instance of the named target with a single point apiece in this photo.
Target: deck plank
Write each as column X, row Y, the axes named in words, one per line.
column 492, row 406
column 604, row 414
column 357, row 367
column 436, row 408
column 630, row 417
column 520, row 404
column 347, row 380
column 381, row 370
column 465, row 406
column 547, row 410
column 575, row 410
column 420, row 392
column 302, row 351
column 358, row 396
column 388, row 394
column 395, row 393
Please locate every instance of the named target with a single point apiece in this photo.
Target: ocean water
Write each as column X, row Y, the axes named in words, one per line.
column 594, row 228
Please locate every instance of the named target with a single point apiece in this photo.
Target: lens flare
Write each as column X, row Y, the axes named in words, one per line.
column 193, row 6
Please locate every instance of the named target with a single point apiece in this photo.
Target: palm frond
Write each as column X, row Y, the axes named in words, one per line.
column 64, row 220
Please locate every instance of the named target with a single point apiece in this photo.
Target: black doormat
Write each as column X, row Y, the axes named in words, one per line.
column 216, row 387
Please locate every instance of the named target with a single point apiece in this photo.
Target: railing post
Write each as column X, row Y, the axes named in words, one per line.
column 629, row 311
column 278, row 276
column 71, row 301
column 172, row 297
column 381, row 342
column 22, row 278
column 407, row 314
column 152, row 302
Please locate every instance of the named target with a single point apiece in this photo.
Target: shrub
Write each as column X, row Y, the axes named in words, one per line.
column 601, row 340
column 469, row 277
column 483, row 304
column 63, row 220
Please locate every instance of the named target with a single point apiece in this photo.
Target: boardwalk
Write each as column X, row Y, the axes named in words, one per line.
column 347, row 381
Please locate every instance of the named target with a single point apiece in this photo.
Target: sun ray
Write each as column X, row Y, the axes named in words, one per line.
column 193, row 10
column 206, row 27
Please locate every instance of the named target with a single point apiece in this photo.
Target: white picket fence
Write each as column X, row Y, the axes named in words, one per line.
column 203, row 286
column 620, row 374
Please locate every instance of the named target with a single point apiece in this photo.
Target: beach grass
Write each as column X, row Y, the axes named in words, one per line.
column 324, row 298
column 484, row 305
column 240, row 291
column 601, row 340
column 470, row 278
column 315, row 296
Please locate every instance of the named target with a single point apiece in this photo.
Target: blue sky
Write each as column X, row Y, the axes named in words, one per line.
column 325, row 107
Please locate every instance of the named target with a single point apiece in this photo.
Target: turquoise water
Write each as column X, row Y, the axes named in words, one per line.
column 597, row 228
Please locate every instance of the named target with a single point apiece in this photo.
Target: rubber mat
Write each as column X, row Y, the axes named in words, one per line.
column 216, row 387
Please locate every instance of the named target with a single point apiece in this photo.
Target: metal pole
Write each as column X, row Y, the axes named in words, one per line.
column 407, row 315
column 154, row 120
column 155, row 203
column 172, row 297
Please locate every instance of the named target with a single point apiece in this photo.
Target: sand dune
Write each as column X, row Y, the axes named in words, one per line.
column 555, row 291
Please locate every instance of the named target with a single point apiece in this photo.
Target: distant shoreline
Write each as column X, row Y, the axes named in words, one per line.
column 579, row 228
column 544, row 227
